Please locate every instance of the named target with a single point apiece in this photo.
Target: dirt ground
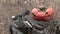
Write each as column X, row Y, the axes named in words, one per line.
column 9, row 8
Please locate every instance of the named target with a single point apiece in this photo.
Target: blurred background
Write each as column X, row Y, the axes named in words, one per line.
column 9, row 8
